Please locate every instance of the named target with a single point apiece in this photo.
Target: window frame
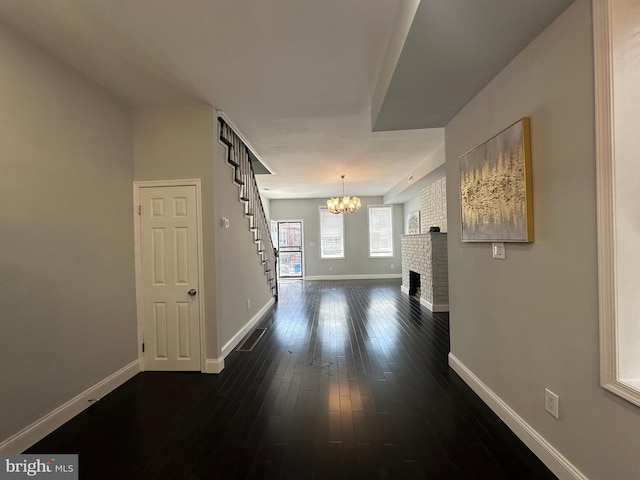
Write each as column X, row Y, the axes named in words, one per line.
column 391, row 254
column 612, row 376
column 323, row 256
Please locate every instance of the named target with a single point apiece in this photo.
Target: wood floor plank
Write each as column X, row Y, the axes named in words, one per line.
column 349, row 380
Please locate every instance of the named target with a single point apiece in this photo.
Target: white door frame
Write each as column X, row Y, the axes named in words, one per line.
column 302, row 248
column 137, row 186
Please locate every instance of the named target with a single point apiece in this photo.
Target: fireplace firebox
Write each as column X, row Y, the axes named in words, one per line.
column 414, row 283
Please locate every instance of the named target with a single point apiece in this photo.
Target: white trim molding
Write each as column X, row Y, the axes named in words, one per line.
column 610, row 377
column 378, row 276
column 546, row 452
column 434, row 307
column 56, row 418
column 237, row 338
column 214, row 365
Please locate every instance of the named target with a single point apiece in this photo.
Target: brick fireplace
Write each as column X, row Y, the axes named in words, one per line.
column 424, row 259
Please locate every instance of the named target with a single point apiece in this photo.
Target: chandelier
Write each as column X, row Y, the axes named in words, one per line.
column 346, row 205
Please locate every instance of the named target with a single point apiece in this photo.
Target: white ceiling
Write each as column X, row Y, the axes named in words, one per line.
column 297, row 77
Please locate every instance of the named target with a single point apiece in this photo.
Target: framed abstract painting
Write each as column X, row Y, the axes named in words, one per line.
column 414, row 222
column 495, row 188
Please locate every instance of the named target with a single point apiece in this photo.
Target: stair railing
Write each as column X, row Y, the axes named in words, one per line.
column 239, row 157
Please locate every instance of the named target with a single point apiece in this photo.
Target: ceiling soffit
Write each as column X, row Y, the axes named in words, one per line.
column 452, row 50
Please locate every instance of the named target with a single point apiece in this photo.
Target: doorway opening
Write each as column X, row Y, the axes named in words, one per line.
column 290, row 249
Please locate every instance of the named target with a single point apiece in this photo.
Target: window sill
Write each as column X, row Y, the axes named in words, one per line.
column 629, row 389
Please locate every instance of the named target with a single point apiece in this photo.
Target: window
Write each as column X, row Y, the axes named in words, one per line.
column 381, row 231
column 618, row 197
column 331, row 234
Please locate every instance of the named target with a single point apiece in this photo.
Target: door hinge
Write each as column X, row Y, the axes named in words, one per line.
column 139, row 209
column 142, row 347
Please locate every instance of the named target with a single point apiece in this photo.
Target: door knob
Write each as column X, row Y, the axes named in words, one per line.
column 192, row 293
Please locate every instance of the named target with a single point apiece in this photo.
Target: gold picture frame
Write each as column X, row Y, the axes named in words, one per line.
column 495, row 188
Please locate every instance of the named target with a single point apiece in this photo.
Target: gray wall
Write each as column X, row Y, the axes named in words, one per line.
column 356, row 261
column 177, row 143
column 409, row 206
column 266, row 203
column 531, row 321
column 416, row 203
column 66, row 250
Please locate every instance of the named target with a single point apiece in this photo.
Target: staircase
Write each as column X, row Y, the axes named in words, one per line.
column 239, row 158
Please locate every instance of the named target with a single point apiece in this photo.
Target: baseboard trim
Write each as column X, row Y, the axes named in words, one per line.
column 214, row 365
column 434, row 307
column 378, row 276
column 237, row 338
column 546, row 452
column 44, row 426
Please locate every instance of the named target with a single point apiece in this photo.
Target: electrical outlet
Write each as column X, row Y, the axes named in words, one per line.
column 551, row 402
column 393, row 266
column 331, row 269
column 248, row 304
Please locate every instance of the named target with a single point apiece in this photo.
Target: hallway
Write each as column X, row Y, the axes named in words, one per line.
column 350, row 380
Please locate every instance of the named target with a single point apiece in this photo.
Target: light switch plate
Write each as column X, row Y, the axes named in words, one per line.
column 498, row 250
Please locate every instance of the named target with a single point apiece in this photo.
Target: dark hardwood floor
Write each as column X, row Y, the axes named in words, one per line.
column 350, row 381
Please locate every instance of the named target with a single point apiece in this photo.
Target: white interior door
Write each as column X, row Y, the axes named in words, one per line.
column 170, row 295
